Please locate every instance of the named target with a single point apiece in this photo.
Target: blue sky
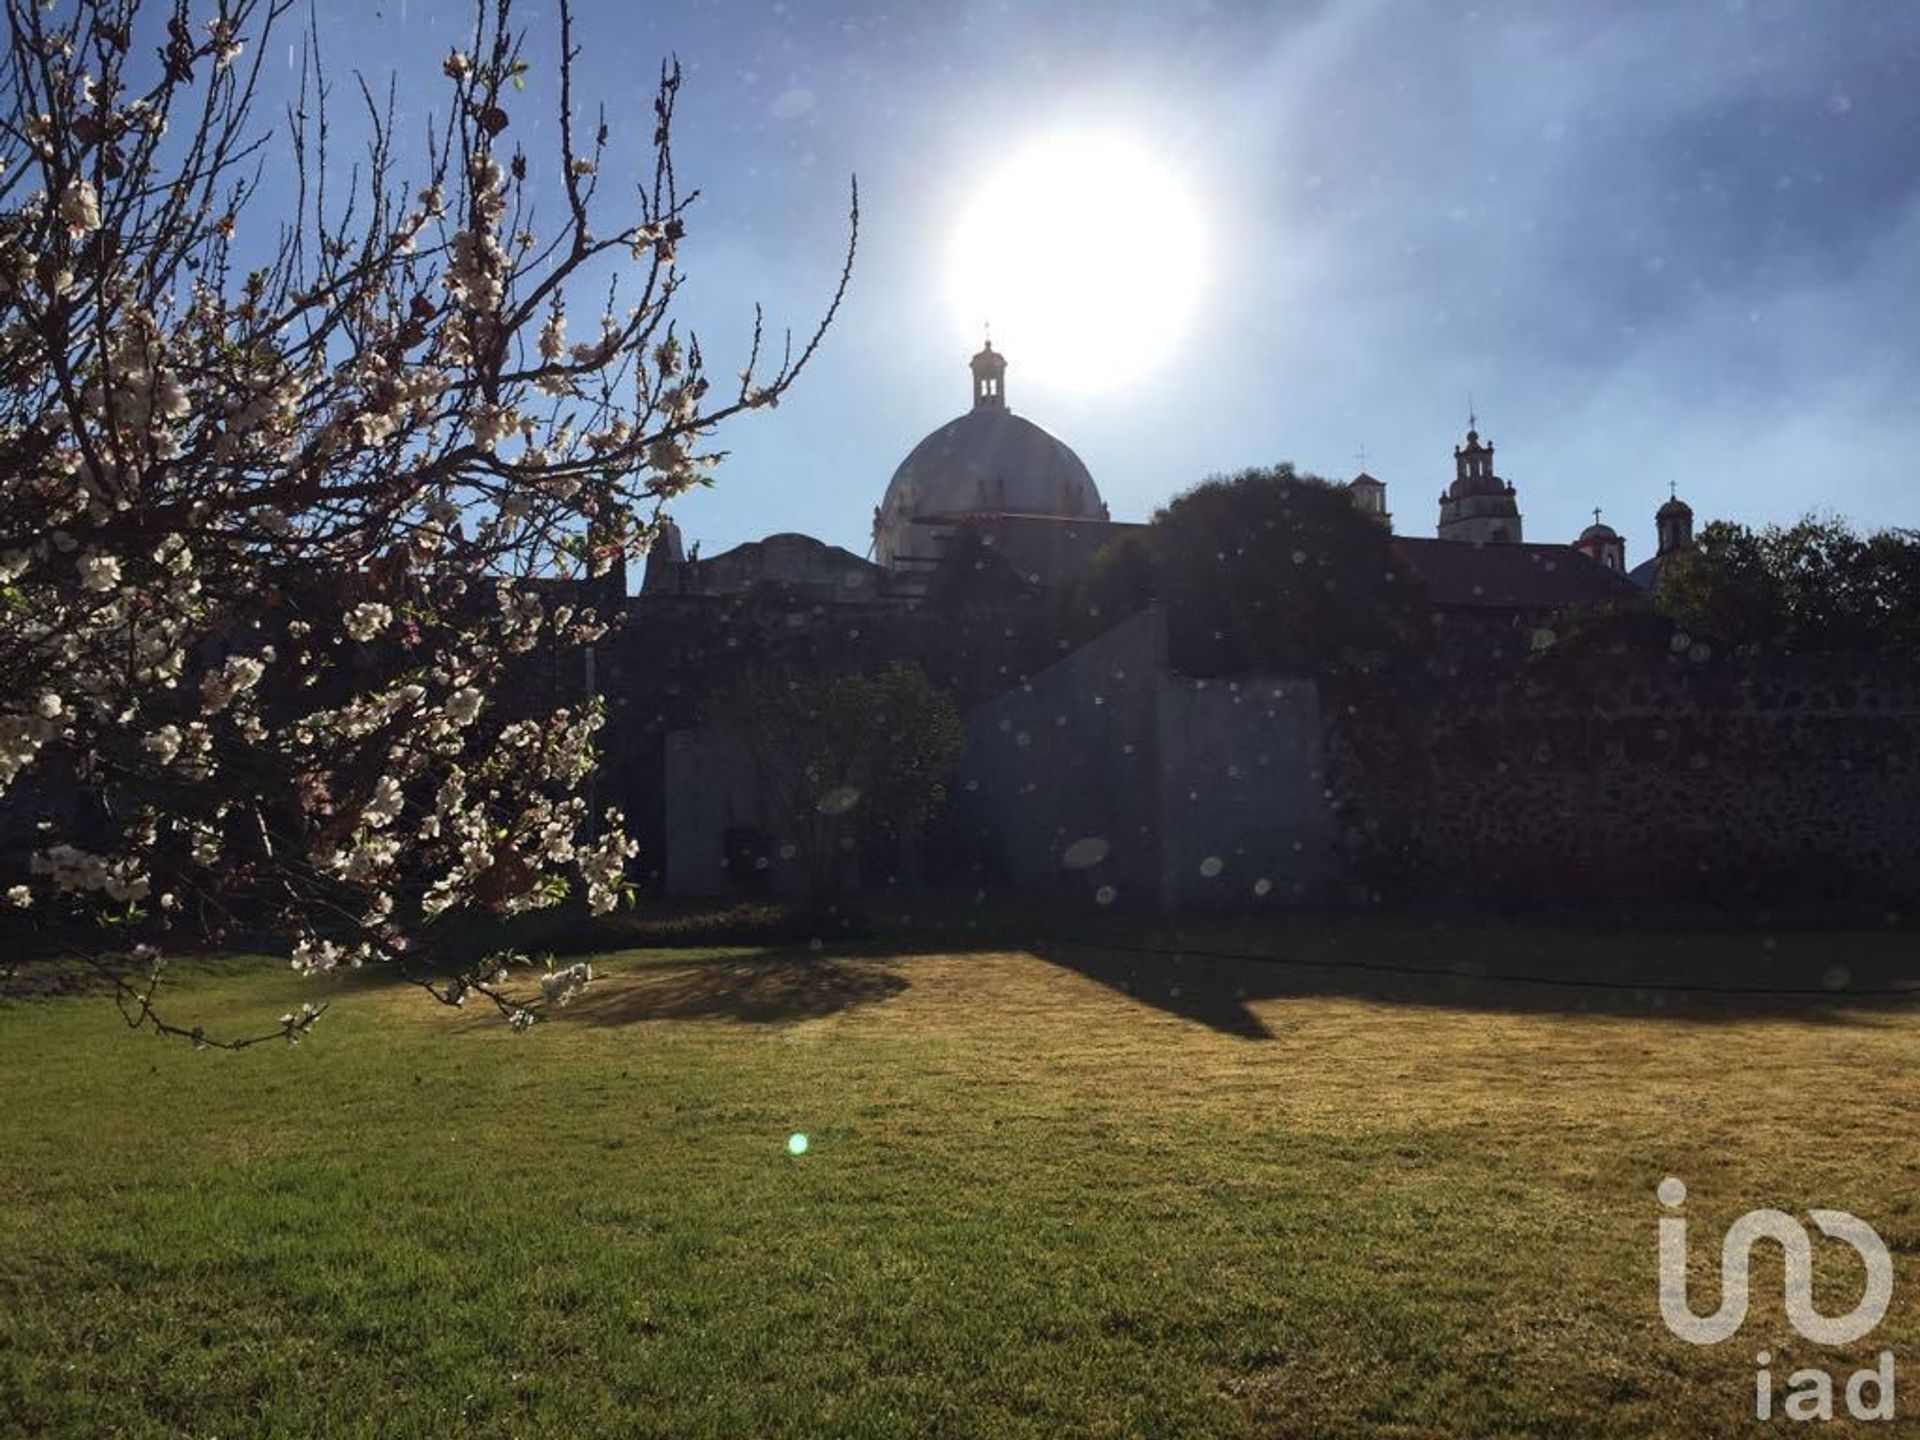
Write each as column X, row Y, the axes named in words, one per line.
column 1655, row 242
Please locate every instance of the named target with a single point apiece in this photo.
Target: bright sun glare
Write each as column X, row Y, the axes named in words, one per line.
column 1084, row 256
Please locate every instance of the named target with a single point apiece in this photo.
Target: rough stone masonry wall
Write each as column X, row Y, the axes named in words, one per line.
column 1788, row 783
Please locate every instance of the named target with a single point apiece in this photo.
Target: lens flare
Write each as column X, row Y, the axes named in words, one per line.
column 1085, row 256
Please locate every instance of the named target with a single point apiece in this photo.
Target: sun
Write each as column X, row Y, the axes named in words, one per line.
column 1084, row 256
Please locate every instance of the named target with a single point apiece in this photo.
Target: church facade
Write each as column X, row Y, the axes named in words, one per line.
column 985, row 518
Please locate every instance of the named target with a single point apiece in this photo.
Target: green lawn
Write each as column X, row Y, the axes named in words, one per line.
column 1083, row 1192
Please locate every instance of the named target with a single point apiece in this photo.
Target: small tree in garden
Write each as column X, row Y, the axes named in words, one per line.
column 847, row 760
column 271, row 483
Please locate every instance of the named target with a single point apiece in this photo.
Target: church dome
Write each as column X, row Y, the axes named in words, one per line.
column 990, row 461
column 1598, row 531
column 1673, row 506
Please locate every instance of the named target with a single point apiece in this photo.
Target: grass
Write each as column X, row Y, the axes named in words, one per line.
column 1081, row 1191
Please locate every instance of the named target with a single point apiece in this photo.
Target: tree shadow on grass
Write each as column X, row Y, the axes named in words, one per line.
column 1214, row 970
column 1217, row 990
column 1219, row 971
column 758, row 989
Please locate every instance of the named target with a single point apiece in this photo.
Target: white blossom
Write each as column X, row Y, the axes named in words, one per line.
column 163, row 744
column 560, row 986
column 80, row 208
column 463, row 706
column 364, row 621
column 553, row 338
column 233, row 679
column 99, row 573
column 384, row 808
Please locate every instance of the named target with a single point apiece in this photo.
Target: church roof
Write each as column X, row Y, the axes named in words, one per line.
column 1047, row 549
column 1647, row 573
column 790, row 560
column 1459, row 575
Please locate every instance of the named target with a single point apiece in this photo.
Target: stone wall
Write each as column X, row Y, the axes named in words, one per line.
column 1646, row 781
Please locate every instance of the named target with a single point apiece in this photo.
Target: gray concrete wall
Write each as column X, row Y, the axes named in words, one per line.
column 1243, row 808
column 1193, row 793
column 1070, row 756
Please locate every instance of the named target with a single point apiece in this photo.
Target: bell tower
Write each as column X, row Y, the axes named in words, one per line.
column 1479, row 506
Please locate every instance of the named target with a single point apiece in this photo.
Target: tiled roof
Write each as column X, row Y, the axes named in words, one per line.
column 1461, row 575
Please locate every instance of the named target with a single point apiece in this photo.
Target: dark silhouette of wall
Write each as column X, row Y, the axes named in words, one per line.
column 1642, row 780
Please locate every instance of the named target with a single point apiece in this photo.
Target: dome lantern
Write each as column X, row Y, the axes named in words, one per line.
column 1369, row 497
column 989, row 378
column 1602, row 544
column 1673, row 522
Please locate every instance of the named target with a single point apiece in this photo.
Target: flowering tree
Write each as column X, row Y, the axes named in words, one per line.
column 273, row 494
